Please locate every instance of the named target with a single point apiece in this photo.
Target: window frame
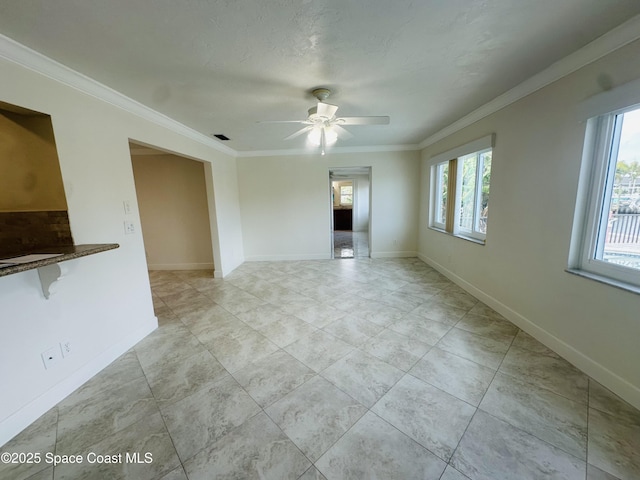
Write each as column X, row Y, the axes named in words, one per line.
column 439, row 221
column 459, row 230
column 597, row 172
column 451, row 225
column 340, row 194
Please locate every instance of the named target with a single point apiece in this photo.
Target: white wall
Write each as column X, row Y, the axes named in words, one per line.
column 103, row 304
column 172, row 199
column 361, row 212
column 521, row 269
column 300, row 226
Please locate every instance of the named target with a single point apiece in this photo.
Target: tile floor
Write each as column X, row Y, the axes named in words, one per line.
column 348, row 244
column 351, row 369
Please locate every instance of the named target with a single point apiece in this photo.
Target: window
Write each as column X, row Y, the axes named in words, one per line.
column 606, row 239
column 442, row 180
column 346, row 195
column 460, row 189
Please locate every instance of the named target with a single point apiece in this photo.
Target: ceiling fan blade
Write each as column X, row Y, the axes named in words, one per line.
column 282, row 121
column 326, row 110
column 298, row 133
column 363, row 121
column 342, row 132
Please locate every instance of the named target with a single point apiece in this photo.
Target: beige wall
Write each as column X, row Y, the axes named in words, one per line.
column 521, row 269
column 30, row 178
column 300, row 226
column 172, row 199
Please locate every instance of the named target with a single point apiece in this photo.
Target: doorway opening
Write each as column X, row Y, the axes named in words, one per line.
column 174, row 210
column 350, row 200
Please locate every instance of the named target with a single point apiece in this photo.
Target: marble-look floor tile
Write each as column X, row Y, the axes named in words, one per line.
column 486, row 311
column 204, row 417
column 594, row 473
column 236, row 301
column 456, row 298
column 423, row 292
column 527, row 342
column 319, row 315
column 346, row 302
column 175, row 474
column 606, row 401
column 124, row 369
column 378, row 313
column 286, row 330
column 262, row 316
column 39, row 437
column 451, row 473
column 373, row 449
column 423, row 329
column 487, row 326
column 362, row 376
column 208, row 333
column 455, row 375
column 273, row 377
column 491, row 449
column 321, row 293
column 614, row 444
column 440, row 312
column 202, row 318
column 146, row 437
column 170, row 383
column 256, row 450
column 548, row 371
column 46, row 474
column 540, row 412
column 235, row 353
column 319, row 350
column 483, row 350
column 167, row 344
column 95, row 418
column 312, row 474
column 353, row 330
column 403, row 301
column 396, row 349
column 431, row 417
column 315, row 415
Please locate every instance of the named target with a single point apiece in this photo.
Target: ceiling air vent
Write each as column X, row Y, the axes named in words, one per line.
column 220, row 136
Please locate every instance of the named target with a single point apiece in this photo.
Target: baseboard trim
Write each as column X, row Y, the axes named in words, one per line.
column 18, row 421
column 278, row 258
column 180, row 266
column 621, row 387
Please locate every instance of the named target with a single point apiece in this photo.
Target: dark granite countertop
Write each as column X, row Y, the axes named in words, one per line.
column 64, row 253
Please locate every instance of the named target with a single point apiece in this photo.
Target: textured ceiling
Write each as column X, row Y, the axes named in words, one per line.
column 219, row 66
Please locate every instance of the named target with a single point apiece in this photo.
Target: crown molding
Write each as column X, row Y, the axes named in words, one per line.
column 30, row 59
column 315, row 151
column 620, row 36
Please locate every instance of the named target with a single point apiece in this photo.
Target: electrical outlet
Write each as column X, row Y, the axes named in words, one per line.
column 126, row 204
column 66, row 348
column 51, row 356
column 129, row 228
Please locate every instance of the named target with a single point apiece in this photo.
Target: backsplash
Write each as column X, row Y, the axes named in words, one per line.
column 25, row 232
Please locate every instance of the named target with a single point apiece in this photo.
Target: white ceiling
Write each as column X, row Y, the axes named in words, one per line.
column 219, row 66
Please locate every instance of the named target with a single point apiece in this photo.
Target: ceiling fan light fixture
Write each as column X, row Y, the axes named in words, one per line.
column 315, row 136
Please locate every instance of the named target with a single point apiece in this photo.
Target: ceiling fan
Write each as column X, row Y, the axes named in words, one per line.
column 322, row 125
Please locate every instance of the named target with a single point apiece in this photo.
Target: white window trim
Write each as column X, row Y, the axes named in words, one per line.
column 589, row 222
column 479, row 145
column 435, row 187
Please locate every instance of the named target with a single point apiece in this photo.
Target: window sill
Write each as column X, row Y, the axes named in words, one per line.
column 457, row 235
column 606, row 280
